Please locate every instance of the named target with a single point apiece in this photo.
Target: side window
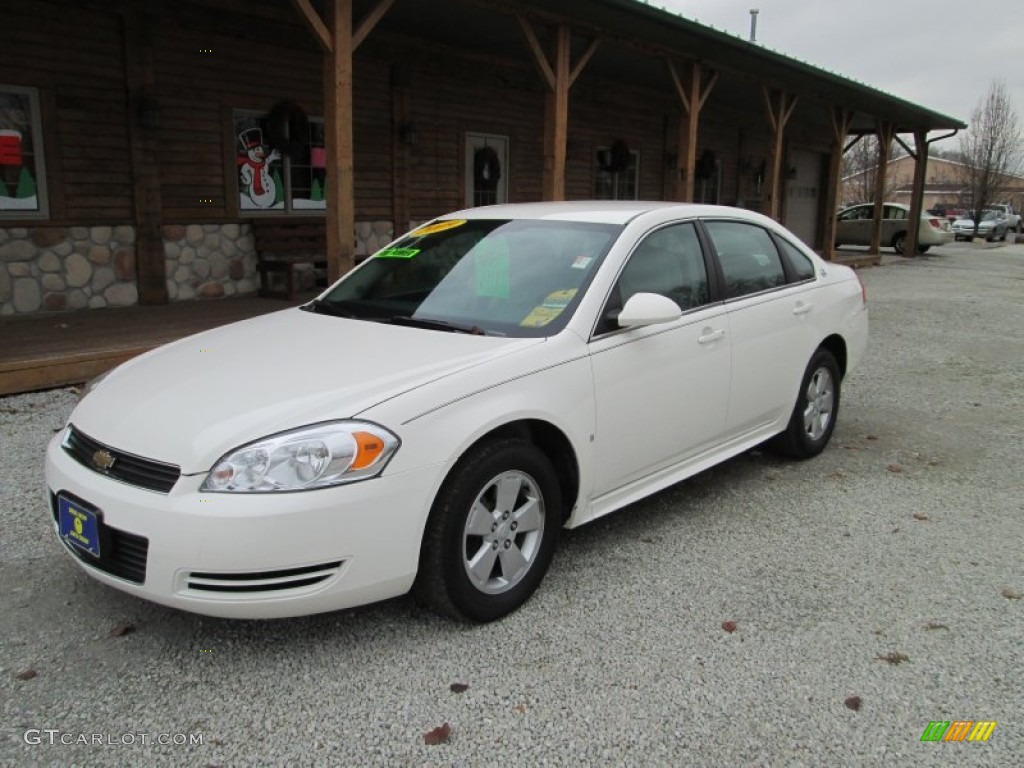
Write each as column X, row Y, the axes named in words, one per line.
column 892, row 212
column 802, row 265
column 748, row 257
column 668, row 262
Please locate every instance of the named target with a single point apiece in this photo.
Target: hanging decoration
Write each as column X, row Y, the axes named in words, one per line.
column 486, row 167
column 287, row 128
column 620, row 156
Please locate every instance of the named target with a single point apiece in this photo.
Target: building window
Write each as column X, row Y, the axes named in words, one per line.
column 291, row 179
column 618, row 173
column 22, row 176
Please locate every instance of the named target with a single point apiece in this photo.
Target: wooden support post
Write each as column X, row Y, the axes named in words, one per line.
column 556, row 120
column 341, row 215
column 885, row 132
column 150, row 262
column 692, row 93
column 780, row 106
column 840, row 120
column 559, row 79
column 920, row 156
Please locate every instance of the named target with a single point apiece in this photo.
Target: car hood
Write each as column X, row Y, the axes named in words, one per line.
column 189, row 402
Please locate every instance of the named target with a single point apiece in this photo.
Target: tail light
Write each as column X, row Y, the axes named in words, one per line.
column 934, row 223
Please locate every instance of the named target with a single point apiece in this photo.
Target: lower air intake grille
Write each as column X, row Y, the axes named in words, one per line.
column 122, row 554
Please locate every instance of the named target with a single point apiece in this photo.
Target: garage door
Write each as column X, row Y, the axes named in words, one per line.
column 803, row 190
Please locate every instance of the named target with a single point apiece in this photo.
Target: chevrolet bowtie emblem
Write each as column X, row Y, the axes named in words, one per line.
column 102, row 459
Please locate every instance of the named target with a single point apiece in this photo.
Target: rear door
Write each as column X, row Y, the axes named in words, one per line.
column 770, row 307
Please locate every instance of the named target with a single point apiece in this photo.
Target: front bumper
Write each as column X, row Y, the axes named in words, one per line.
column 252, row 555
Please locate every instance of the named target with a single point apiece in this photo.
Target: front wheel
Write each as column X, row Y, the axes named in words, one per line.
column 492, row 532
column 814, row 415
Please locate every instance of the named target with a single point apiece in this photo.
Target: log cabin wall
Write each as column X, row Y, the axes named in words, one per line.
column 139, row 103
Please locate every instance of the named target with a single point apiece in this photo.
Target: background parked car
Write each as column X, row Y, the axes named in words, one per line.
column 993, row 226
column 854, row 226
column 1012, row 217
column 949, row 211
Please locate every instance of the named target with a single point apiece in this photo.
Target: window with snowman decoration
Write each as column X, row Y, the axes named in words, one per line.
column 21, row 175
column 270, row 179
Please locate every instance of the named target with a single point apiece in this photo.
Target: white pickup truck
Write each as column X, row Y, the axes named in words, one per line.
column 1012, row 217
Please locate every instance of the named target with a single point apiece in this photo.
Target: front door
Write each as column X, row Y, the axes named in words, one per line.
column 661, row 391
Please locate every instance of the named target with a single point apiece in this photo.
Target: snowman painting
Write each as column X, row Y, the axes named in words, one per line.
column 255, row 180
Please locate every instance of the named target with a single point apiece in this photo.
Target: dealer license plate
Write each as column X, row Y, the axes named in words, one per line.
column 79, row 525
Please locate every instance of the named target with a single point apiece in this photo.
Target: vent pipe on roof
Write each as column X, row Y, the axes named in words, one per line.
column 753, row 25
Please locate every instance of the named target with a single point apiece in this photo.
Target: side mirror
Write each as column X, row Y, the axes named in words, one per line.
column 648, row 309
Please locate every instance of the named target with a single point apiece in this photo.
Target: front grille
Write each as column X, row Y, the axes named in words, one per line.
column 122, row 554
column 263, row 581
column 126, row 467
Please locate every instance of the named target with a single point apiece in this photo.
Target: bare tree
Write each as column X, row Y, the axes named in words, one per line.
column 860, row 167
column 990, row 150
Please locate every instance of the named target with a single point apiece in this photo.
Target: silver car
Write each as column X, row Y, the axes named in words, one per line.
column 854, row 226
column 993, row 226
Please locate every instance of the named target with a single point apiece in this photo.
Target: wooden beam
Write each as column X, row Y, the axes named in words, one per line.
column 693, row 94
column 140, row 77
column 885, row 133
column 316, row 24
column 338, row 143
column 840, row 119
column 539, row 57
column 779, row 106
column 370, row 21
column 556, row 120
column 917, row 191
column 399, row 147
column 584, row 59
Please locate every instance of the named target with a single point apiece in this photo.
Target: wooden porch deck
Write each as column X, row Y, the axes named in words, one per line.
column 53, row 350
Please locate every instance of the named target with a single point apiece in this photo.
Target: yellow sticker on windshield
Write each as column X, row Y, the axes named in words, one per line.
column 437, row 226
column 559, row 299
column 540, row 316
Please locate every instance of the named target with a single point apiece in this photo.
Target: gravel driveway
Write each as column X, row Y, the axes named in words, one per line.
column 872, row 590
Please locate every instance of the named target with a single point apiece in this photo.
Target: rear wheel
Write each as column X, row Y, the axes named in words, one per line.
column 814, row 415
column 899, row 242
column 923, row 248
column 491, row 534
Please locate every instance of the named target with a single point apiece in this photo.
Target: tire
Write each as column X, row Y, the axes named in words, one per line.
column 817, row 406
column 500, row 508
column 899, row 242
column 923, row 248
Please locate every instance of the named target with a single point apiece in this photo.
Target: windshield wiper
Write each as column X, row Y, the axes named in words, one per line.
column 321, row 307
column 437, row 325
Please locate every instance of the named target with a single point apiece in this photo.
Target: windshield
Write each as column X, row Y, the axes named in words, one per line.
column 500, row 277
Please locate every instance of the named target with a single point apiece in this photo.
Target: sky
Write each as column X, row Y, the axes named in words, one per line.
column 940, row 54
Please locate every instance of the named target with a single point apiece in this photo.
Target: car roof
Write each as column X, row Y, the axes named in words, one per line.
column 600, row 211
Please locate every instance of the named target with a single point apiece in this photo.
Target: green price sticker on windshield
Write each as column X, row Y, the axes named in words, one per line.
column 397, row 253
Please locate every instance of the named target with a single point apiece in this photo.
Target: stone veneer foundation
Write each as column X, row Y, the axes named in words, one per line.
column 50, row 269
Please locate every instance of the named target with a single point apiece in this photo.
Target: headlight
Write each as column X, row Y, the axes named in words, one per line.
column 301, row 459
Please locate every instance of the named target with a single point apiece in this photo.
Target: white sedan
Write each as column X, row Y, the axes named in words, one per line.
column 432, row 420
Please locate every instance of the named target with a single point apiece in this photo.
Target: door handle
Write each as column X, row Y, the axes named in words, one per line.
column 802, row 309
column 707, row 335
